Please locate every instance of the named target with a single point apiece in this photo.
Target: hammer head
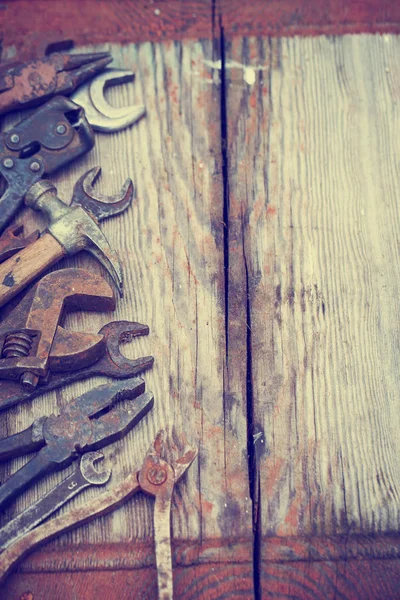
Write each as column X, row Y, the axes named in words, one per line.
column 76, row 227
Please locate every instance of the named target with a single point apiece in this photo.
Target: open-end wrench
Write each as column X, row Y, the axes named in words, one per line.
column 160, row 473
column 84, row 476
column 100, row 114
column 71, row 229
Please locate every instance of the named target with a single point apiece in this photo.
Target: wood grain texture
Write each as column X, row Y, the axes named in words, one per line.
column 26, row 266
column 313, row 139
column 204, row 582
column 351, row 567
column 172, row 255
column 26, row 26
column 300, row 225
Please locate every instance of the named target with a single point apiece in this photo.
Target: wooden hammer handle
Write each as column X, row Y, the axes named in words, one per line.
column 22, row 268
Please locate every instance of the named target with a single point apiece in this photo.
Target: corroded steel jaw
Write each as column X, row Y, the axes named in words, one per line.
column 28, row 334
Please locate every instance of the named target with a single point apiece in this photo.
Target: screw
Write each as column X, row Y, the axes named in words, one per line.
column 14, row 138
column 29, row 381
column 157, row 475
column 61, row 129
column 34, row 166
column 8, row 163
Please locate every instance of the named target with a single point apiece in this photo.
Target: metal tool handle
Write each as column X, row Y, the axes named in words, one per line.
column 29, row 440
column 101, row 505
column 22, row 268
column 43, row 508
column 162, row 537
column 17, row 483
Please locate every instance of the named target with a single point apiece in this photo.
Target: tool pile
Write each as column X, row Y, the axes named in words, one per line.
column 37, row 353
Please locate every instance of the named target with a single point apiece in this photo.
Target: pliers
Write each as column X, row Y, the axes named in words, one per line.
column 25, row 85
column 83, row 424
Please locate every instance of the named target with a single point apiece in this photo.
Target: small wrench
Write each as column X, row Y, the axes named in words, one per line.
column 84, row 475
column 157, row 477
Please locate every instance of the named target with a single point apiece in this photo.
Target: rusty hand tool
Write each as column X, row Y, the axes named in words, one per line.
column 111, row 363
column 31, row 338
column 28, row 84
column 53, row 136
column 157, row 478
column 100, row 114
column 72, row 228
column 83, row 424
column 104, row 503
column 13, row 240
column 84, row 476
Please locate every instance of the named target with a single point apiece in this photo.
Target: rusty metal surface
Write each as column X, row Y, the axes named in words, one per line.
column 28, row 333
column 13, row 240
column 28, row 84
column 112, row 363
column 163, row 466
column 86, row 423
column 53, row 136
column 150, row 479
column 85, row 475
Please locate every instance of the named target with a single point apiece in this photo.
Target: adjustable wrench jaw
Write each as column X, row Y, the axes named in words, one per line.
column 111, row 363
column 27, row 335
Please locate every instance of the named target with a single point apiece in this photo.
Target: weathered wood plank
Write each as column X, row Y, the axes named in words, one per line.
column 313, row 138
column 171, row 247
column 26, row 26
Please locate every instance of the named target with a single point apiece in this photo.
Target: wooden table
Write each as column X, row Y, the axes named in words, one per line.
column 263, row 252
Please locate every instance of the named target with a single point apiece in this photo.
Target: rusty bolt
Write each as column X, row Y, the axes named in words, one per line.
column 157, row 475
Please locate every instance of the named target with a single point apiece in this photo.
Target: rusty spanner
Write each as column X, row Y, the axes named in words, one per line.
column 85, row 475
column 161, row 475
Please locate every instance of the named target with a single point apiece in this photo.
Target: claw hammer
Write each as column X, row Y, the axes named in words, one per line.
column 72, row 228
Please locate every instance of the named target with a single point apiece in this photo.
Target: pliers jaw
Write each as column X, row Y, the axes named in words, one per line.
column 29, row 84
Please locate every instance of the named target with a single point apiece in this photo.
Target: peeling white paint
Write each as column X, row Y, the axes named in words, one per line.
column 249, row 71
